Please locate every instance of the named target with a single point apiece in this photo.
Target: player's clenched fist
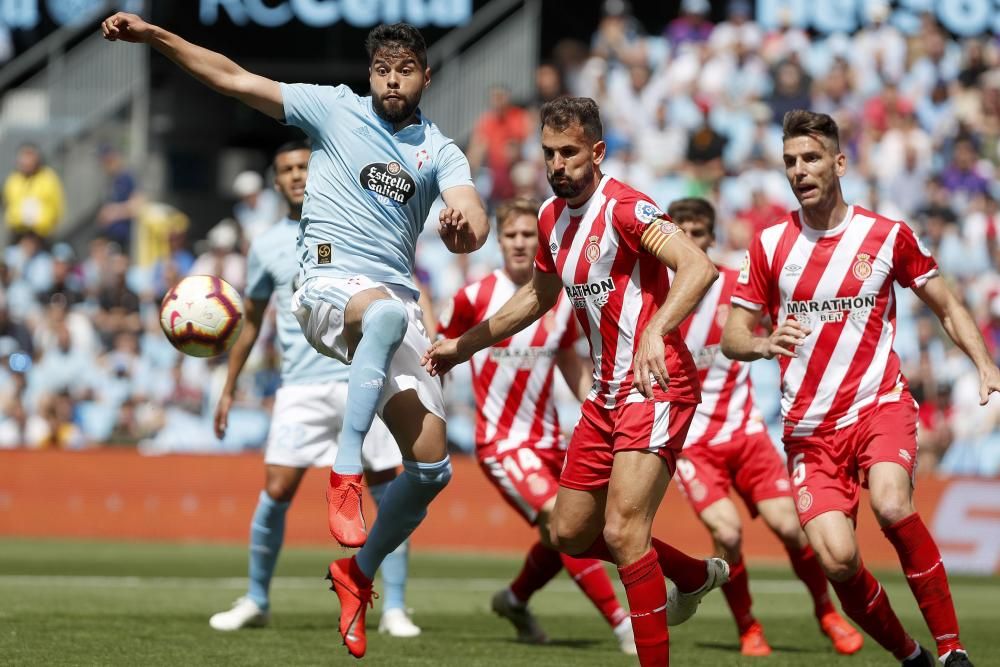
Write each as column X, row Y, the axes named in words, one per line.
column 442, row 356
column 785, row 340
column 126, row 27
column 455, row 231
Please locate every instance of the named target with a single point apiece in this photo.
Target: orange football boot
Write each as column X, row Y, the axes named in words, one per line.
column 347, row 523
column 846, row 640
column 355, row 596
column 753, row 643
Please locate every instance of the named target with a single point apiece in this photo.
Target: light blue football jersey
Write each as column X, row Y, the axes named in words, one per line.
column 369, row 189
column 272, row 268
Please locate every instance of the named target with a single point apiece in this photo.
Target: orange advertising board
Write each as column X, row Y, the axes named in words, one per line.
column 119, row 495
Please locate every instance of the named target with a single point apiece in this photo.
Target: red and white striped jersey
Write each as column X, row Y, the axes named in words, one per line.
column 512, row 381
column 839, row 284
column 727, row 410
column 614, row 285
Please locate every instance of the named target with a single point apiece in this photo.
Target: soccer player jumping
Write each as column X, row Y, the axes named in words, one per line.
column 728, row 445
column 519, row 444
column 376, row 167
column 824, row 275
column 607, row 245
column 308, row 413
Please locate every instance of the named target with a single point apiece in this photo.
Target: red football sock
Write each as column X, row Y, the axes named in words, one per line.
column 687, row 573
column 589, row 575
column 737, row 592
column 807, row 568
column 927, row 578
column 867, row 603
column 541, row 564
column 647, row 599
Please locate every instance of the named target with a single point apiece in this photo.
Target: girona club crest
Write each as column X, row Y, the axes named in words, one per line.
column 593, row 251
column 862, row 268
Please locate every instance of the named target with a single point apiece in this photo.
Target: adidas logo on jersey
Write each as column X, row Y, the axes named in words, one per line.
column 362, row 131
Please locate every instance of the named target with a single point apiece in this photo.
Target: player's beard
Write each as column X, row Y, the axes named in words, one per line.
column 398, row 112
column 570, row 188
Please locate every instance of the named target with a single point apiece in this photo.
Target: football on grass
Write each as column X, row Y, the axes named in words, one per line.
column 202, row 316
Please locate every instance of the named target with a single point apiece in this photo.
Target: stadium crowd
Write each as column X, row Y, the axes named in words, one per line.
column 693, row 110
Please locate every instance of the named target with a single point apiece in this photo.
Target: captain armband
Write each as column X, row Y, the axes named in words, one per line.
column 657, row 234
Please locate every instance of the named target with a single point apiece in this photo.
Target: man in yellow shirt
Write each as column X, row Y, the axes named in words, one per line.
column 32, row 195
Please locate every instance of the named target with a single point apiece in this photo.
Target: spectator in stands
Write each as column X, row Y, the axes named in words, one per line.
column 618, row 39
column 121, row 200
column 177, row 264
column 791, row 88
column 257, row 207
column 20, row 427
column 118, row 305
column 762, row 212
column 878, row 50
column 30, row 261
column 496, row 140
column 65, row 280
column 962, row 176
column 222, row 258
column 692, row 26
column 14, row 336
column 548, row 84
column 704, row 149
column 32, row 195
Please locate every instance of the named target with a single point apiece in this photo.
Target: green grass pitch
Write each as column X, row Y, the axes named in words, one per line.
column 87, row 603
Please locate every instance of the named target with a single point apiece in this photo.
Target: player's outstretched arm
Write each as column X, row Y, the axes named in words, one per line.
column 961, row 328
column 463, row 224
column 213, row 69
column 739, row 342
column 694, row 273
column 253, row 315
column 528, row 304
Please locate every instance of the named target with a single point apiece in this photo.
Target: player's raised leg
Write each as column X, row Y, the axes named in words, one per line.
column 779, row 515
column 426, row 471
column 267, row 533
column 891, row 500
column 374, row 327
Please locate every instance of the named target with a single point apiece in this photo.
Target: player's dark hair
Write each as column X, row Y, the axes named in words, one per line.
column 803, row 123
column 293, row 145
column 395, row 39
column 693, row 208
column 515, row 207
column 562, row 112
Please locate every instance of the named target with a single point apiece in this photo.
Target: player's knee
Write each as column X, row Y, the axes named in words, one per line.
column 431, row 477
column 386, row 320
column 280, row 490
column 569, row 538
column 728, row 537
column 839, row 561
column 891, row 506
column 788, row 530
column 624, row 533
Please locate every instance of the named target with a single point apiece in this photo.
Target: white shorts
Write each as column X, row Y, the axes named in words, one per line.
column 306, row 425
column 319, row 306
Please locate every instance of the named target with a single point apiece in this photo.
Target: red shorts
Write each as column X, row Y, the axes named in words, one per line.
column 829, row 469
column 749, row 463
column 526, row 477
column 602, row 432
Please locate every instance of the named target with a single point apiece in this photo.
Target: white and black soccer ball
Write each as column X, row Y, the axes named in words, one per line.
column 202, row 316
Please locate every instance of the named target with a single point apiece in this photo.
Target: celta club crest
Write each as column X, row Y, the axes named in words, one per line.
column 422, row 157
column 593, row 251
column 862, row 268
